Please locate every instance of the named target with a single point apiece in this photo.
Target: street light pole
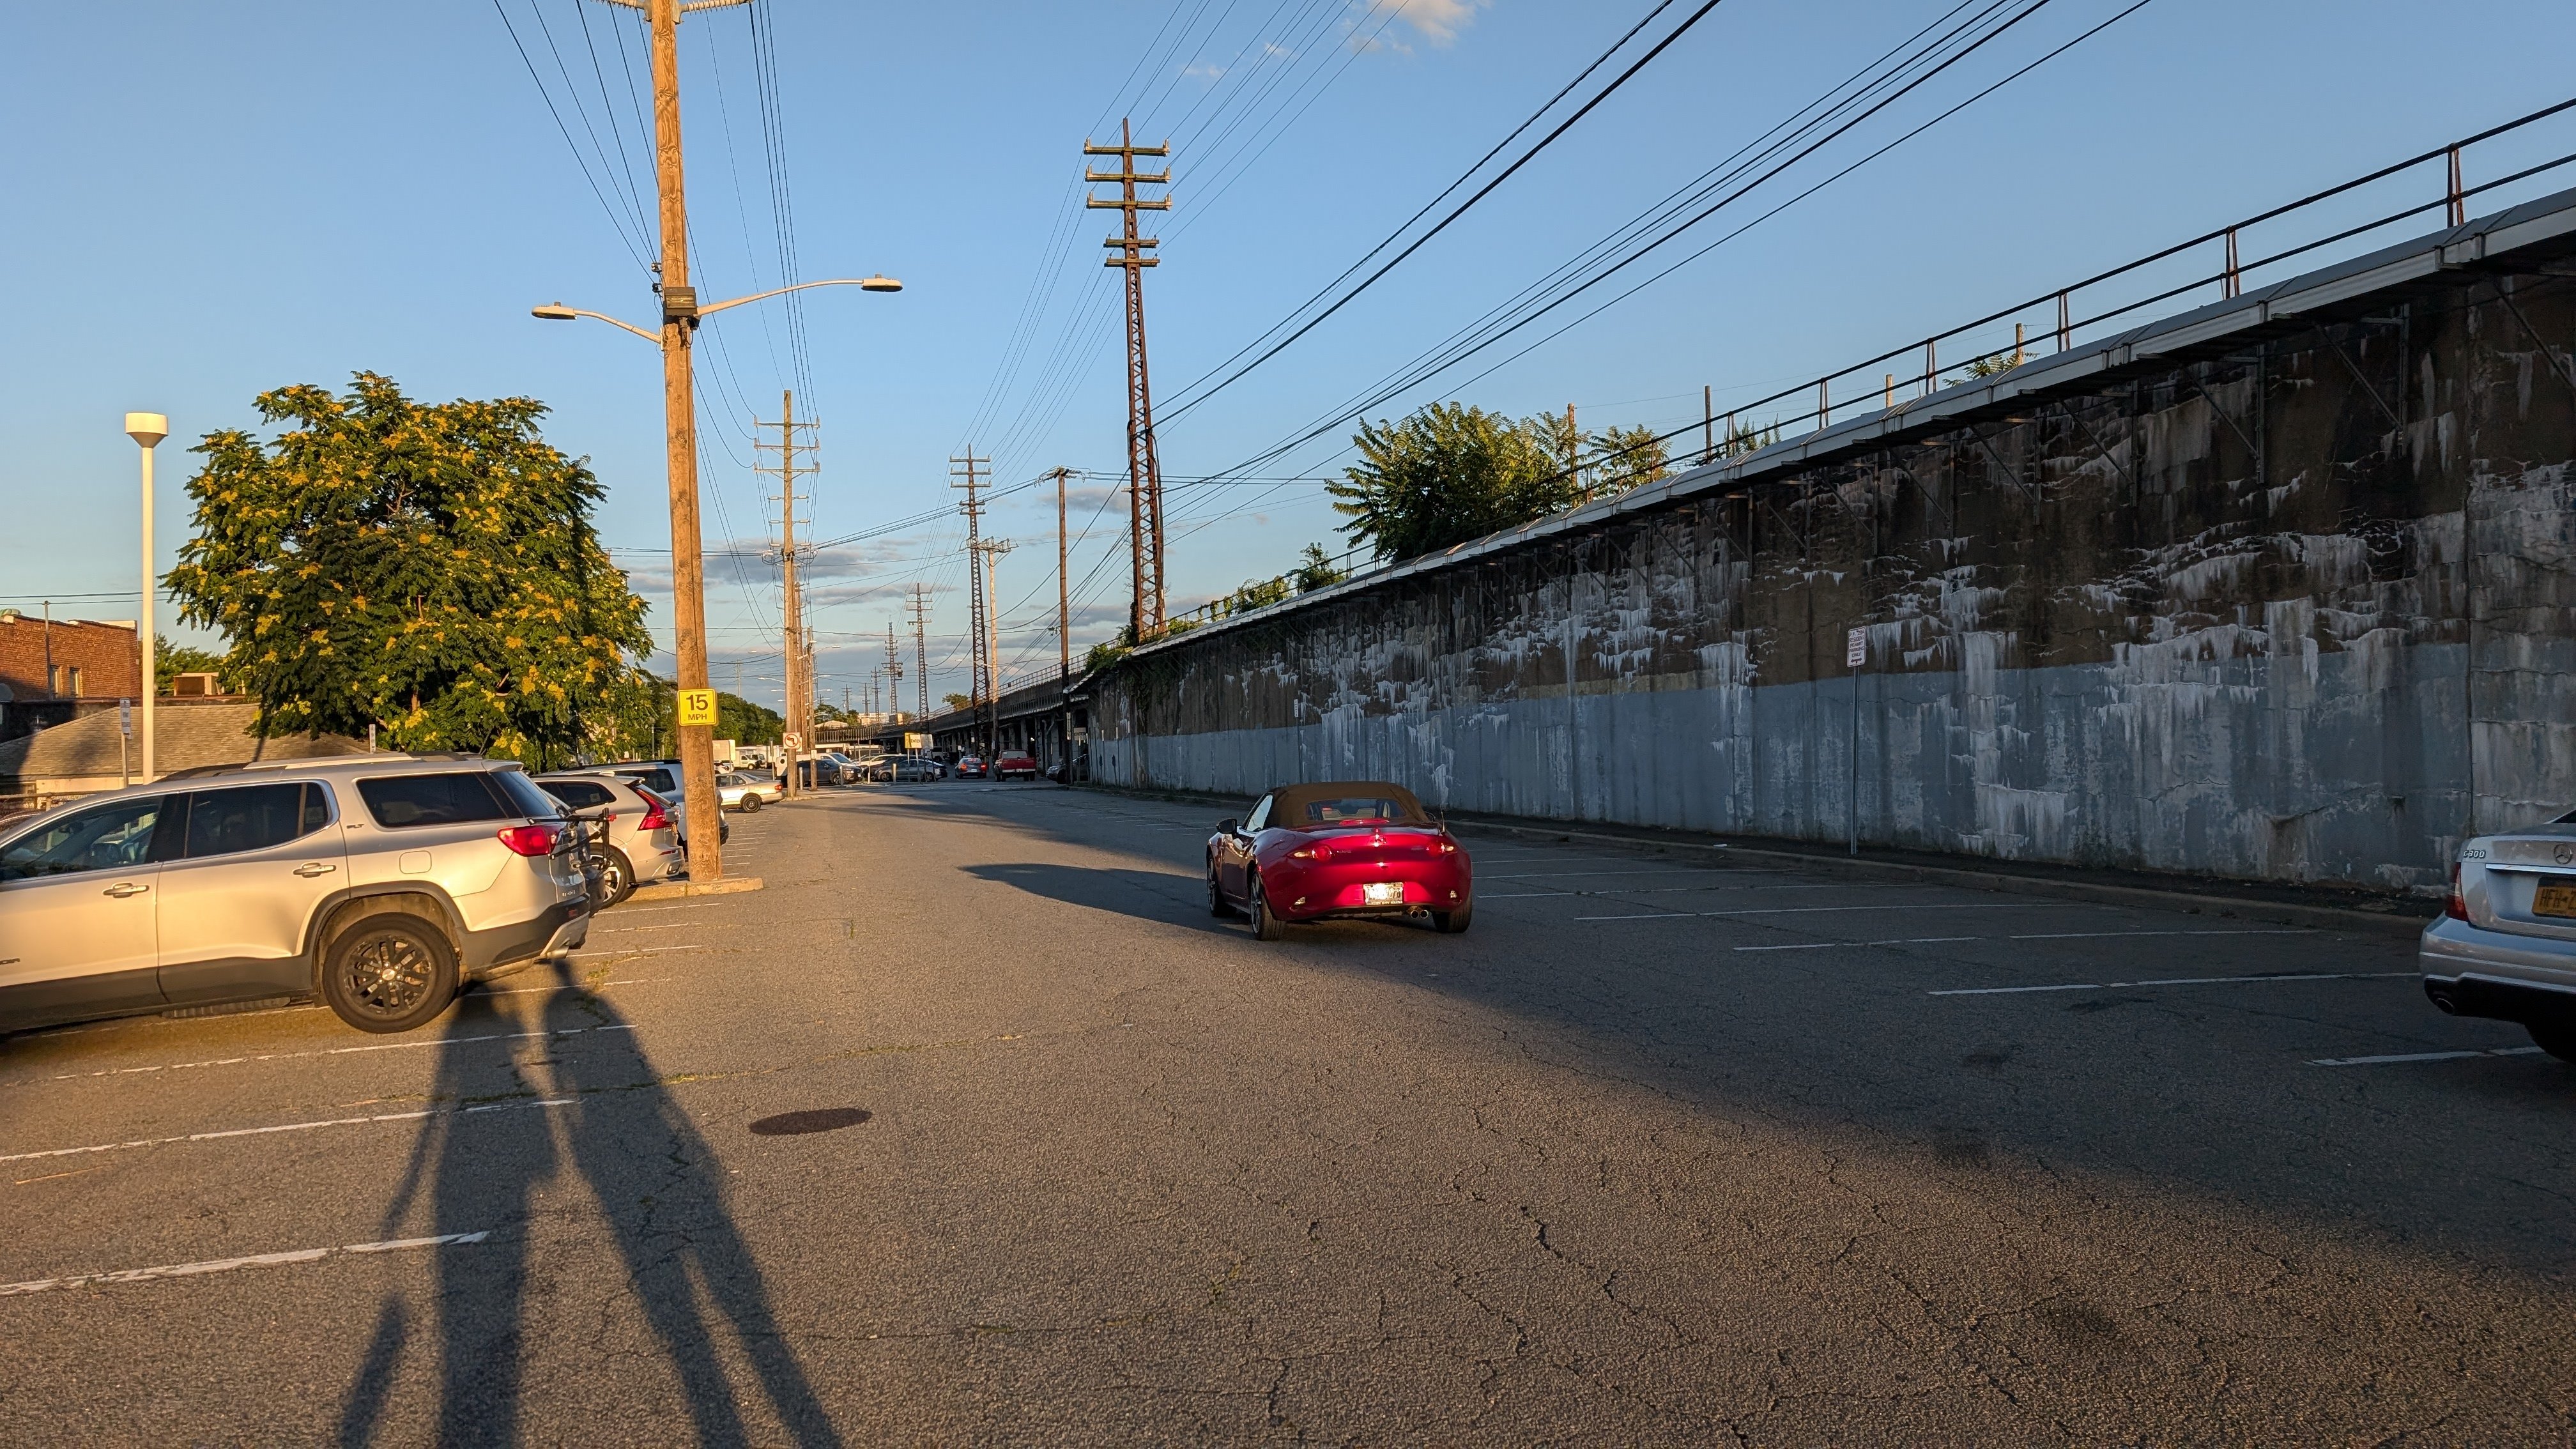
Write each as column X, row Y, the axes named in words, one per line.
column 147, row 429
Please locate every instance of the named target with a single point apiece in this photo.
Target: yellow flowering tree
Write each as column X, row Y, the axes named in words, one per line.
column 430, row 569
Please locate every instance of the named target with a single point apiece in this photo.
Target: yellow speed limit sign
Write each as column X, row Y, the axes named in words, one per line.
column 697, row 707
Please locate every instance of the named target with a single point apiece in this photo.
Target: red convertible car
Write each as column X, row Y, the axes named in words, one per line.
column 1354, row 848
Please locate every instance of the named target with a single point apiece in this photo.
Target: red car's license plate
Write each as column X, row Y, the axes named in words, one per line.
column 1391, row 893
column 2554, row 900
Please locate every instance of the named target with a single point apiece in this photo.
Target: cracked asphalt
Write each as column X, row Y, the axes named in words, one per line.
column 1663, row 1151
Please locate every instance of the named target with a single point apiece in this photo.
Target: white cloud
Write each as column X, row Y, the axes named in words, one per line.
column 1204, row 71
column 1436, row 21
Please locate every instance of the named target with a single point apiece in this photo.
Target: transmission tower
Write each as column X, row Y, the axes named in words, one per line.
column 893, row 673
column 799, row 642
column 921, row 645
column 1144, row 471
column 990, row 642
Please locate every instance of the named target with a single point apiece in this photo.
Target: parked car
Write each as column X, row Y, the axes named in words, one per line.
column 1015, row 764
column 643, row 844
column 661, row 779
column 970, row 767
column 2504, row 946
column 746, row 793
column 911, row 768
column 1350, row 848
column 382, row 884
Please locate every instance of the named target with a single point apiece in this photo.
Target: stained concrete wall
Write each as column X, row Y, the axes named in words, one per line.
column 2304, row 610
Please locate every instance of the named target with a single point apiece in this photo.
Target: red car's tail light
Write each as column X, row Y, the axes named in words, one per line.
column 531, row 839
column 2455, row 905
column 1309, row 852
column 1446, row 847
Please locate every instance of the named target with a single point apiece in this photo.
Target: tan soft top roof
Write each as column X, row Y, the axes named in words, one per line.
column 1293, row 799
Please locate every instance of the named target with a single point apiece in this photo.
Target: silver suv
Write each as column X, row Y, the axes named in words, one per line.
column 381, row 884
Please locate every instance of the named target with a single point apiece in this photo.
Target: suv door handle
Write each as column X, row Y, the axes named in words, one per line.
column 312, row 868
column 125, row 888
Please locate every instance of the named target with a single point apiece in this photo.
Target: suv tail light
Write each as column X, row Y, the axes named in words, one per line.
column 656, row 817
column 532, row 839
column 2455, row 905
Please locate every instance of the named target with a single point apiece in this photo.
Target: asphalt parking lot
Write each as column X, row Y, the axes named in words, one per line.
column 975, row 1127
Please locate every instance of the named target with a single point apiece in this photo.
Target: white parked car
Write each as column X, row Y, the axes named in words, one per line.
column 746, row 793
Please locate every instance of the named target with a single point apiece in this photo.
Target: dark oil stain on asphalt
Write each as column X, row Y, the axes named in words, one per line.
column 819, row 1119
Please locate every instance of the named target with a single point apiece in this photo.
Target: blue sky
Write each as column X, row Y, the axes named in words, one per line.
column 204, row 202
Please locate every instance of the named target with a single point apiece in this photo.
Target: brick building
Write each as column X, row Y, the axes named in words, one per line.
column 68, row 659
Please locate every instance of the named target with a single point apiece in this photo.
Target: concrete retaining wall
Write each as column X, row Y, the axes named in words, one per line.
column 2303, row 610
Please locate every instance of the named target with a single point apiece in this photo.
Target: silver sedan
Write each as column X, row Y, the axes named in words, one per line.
column 2505, row 944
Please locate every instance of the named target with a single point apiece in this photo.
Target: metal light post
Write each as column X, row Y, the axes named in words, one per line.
column 147, row 429
column 681, row 314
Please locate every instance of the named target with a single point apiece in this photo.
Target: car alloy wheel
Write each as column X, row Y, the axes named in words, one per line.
column 616, row 876
column 750, row 803
column 1266, row 925
column 389, row 973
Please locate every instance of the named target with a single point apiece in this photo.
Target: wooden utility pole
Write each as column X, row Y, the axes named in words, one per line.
column 991, row 551
column 1144, row 471
column 1063, row 587
column 680, row 427
column 798, row 650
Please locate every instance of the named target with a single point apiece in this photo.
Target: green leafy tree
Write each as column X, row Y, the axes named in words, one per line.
column 1450, row 473
column 428, row 569
column 1315, row 570
column 958, row 701
column 1257, row 594
column 1625, row 458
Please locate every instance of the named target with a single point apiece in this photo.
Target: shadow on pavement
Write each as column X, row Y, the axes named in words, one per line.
column 2207, row 1094
column 689, row 1276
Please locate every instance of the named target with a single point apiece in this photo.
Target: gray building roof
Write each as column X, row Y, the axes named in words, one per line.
column 188, row 733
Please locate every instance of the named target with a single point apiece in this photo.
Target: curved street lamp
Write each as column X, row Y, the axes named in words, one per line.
column 681, row 303
column 680, row 317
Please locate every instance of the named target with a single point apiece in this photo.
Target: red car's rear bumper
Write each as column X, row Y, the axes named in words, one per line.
column 1310, row 892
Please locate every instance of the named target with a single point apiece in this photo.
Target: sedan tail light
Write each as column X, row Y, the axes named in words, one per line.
column 532, row 839
column 2455, row 905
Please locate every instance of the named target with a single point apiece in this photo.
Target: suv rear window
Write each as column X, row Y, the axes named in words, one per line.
column 580, row 794
column 524, row 793
column 453, row 797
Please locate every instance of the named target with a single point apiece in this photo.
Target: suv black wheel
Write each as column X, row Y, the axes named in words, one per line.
column 1266, row 925
column 389, row 973
column 2558, row 1041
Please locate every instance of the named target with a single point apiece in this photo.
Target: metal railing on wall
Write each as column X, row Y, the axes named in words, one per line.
column 2053, row 314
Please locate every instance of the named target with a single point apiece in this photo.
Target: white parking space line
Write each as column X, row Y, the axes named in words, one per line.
column 549, row 990
column 1826, row 910
column 1896, row 941
column 1539, row 874
column 2528, row 1051
column 2173, row 981
column 285, row 1127
column 2049, row 936
column 2090, row 935
column 1576, row 895
column 391, row 1046
column 226, row 1265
